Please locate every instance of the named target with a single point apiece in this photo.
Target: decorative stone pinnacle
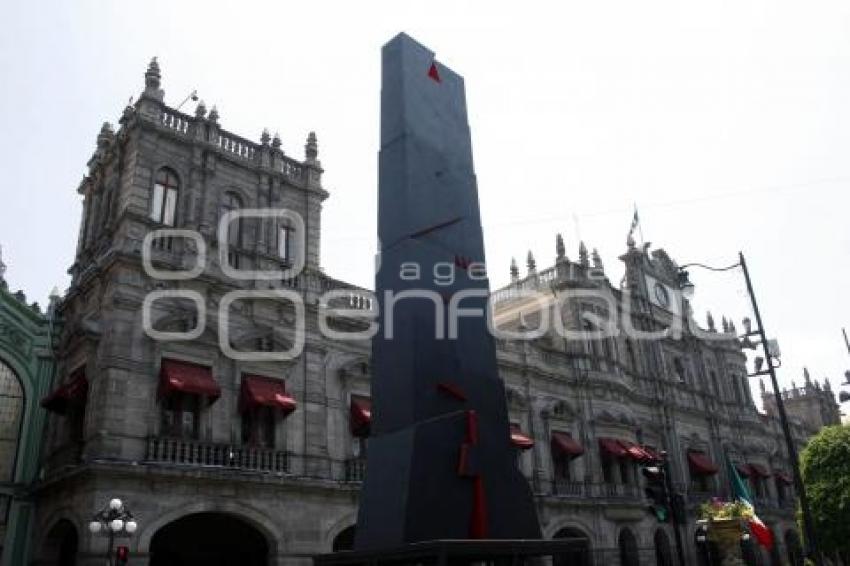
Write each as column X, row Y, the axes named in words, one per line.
column 630, row 241
column 106, row 135
column 597, row 259
column 153, row 76
column 582, row 254
column 725, row 324
column 514, row 270
column 276, row 141
column 560, row 250
column 530, row 263
column 200, row 110
column 265, row 137
column 710, row 320
column 311, row 148
column 214, row 115
column 806, row 375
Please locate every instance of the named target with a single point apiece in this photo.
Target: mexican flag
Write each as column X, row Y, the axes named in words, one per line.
column 740, row 492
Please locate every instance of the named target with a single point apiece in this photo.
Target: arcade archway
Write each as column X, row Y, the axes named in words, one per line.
column 60, row 545
column 209, row 539
column 663, row 554
column 582, row 555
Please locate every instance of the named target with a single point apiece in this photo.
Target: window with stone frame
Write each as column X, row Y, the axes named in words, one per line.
column 11, row 411
column 180, row 415
column 258, row 426
column 627, row 471
column 680, row 370
column 164, row 197
column 701, row 483
column 285, row 235
column 231, row 202
column 608, row 469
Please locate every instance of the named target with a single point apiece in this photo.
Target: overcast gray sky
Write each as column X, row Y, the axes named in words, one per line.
column 726, row 122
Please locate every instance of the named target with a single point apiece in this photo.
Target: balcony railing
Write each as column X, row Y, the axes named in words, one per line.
column 195, row 453
column 564, row 488
column 355, row 469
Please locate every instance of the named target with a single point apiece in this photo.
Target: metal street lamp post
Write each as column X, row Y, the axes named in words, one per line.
column 113, row 520
column 770, row 353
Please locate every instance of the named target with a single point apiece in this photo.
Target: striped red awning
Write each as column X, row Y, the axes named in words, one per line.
column 360, row 416
column 700, row 464
column 760, row 470
column 635, row 452
column 565, row 445
column 612, row 447
column 185, row 377
column 73, row 392
column 262, row 391
column 784, row 478
column 519, row 439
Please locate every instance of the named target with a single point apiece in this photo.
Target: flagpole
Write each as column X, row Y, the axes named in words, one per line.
column 808, row 527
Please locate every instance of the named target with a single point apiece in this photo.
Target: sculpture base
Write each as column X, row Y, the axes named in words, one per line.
column 564, row 552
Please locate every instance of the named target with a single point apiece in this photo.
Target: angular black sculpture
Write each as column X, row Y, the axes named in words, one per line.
column 440, row 462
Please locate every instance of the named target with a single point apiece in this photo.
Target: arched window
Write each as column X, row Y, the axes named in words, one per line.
column 229, row 203
column 164, row 198
column 11, row 411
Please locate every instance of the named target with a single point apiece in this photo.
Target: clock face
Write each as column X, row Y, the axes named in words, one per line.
column 661, row 294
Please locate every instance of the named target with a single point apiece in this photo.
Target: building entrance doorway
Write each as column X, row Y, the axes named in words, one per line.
column 61, row 544
column 208, row 539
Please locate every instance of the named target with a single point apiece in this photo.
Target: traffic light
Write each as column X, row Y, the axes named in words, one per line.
column 656, row 491
column 122, row 555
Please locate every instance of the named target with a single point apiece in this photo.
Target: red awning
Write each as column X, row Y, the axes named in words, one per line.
column 186, row 377
column 612, row 447
column 759, row 470
column 651, row 454
column 361, row 415
column 262, row 391
column 700, row 464
column 73, row 392
column 520, row 440
column 635, row 452
column 784, row 478
column 743, row 470
column 564, row 445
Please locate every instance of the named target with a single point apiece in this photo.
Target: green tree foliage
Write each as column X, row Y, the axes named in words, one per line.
column 825, row 466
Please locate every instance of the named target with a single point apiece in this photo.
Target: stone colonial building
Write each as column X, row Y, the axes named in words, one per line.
column 213, row 438
column 26, row 371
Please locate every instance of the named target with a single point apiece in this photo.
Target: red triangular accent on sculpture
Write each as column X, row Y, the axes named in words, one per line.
column 432, row 72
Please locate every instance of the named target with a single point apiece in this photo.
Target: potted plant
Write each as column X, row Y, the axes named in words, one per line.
column 724, row 522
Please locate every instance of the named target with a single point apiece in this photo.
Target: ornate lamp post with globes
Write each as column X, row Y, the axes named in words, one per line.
column 114, row 520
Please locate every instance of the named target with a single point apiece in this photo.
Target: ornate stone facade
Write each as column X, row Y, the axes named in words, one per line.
column 200, row 446
column 26, row 371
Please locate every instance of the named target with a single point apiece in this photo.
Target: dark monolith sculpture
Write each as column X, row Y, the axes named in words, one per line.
column 440, row 462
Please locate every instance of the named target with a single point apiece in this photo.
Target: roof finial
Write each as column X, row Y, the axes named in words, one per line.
column 806, row 376
column 725, row 325
column 597, row 259
column 265, row 137
column 311, row 148
column 214, row 114
column 582, row 254
column 532, row 265
column 514, row 271
column 710, row 320
column 560, row 250
column 200, row 110
column 276, row 141
column 152, row 75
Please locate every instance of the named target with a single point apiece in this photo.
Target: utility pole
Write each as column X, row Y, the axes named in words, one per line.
column 808, row 528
